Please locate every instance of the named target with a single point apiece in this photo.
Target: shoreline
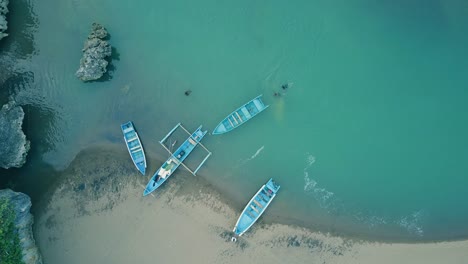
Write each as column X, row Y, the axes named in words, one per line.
column 268, row 218
column 233, row 204
column 90, row 206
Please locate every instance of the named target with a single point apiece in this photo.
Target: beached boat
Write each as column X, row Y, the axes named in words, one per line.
column 176, row 159
column 240, row 115
column 256, row 206
column 134, row 146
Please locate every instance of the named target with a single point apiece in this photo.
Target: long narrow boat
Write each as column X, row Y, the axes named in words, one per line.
column 256, row 206
column 240, row 115
column 134, row 146
column 174, row 161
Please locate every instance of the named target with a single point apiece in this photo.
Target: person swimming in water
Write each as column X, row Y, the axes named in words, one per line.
column 188, row 92
column 285, row 86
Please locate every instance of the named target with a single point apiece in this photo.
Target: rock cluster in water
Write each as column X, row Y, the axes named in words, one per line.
column 23, row 222
column 93, row 64
column 3, row 21
column 13, row 144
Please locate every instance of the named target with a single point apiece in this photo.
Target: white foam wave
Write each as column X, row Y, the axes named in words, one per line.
column 370, row 220
column 242, row 162
column 327, row 199
column 412, row 223
column 322, row 195
column 309, row 184
column 376, row 221
column 310, row 160
column 257, row 152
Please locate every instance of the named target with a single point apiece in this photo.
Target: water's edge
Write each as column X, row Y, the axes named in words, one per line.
column 183, row 177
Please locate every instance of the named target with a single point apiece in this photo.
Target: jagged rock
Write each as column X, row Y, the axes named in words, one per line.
column 23, row 223
column 93, row 64
column 3, row 21
column 97, row 31
column 13, row 144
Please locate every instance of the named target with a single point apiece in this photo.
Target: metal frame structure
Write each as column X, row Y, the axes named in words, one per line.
column 190, row 135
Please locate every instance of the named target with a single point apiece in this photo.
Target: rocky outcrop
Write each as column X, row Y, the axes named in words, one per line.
column 3, row 21
column 13, row 144
column 96, row 49
column 23, row 223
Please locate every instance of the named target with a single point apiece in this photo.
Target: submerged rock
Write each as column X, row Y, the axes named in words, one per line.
column 93, row 64
column 3, row 21
column 13, row 144
column 23, row 222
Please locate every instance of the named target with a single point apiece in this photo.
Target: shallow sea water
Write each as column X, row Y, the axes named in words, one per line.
column 369, row 138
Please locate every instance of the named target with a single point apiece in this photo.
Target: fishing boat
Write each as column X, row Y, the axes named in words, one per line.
column 134, row 146
column 240, row 115
column 176, row 158
column 255, row 208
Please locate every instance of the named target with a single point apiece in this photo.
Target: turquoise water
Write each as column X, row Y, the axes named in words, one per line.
column 370, row 137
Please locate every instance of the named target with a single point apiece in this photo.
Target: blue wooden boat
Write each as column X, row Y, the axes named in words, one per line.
column 256, row 206
column 175, row 160
column 134, row 146
column 240, row 115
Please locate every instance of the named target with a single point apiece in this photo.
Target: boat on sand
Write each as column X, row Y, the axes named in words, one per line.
column 176, row 159
column 256, row 207
column 134, row 146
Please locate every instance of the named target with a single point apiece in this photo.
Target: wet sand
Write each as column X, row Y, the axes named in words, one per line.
column 96, row 214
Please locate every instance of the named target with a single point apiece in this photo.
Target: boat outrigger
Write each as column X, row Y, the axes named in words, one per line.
column 176, row 158
column 240, row 115
column 255, row 208
column 134, row 146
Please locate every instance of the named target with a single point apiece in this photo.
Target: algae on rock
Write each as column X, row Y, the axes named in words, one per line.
column 20, row 204
column 13, row 143
column 3, row 21
column 96, row 49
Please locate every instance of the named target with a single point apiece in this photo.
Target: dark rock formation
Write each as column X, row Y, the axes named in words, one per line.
column 93, row 64
column 3, row 22
column 23, row 223
column 13, row 144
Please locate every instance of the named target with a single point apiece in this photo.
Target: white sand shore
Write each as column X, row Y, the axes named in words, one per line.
column 99, row 216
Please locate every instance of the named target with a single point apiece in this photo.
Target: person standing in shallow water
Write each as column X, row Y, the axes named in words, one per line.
column 284, row 87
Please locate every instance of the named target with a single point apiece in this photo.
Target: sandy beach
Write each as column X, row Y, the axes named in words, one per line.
column 98, row 215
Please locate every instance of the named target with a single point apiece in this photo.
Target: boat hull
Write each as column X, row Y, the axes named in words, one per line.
column 256, row 207
column 134, row 146
column 240, row 115
column 174, row 161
